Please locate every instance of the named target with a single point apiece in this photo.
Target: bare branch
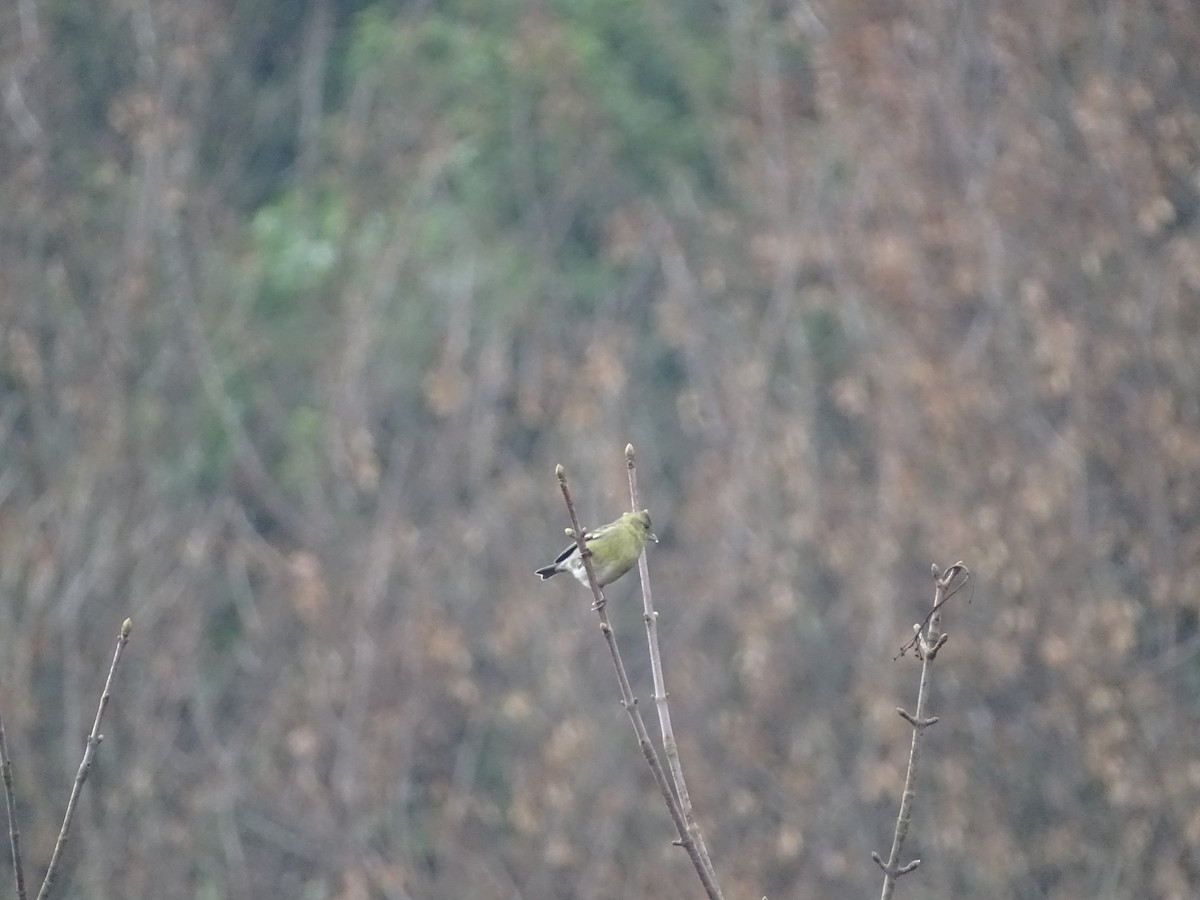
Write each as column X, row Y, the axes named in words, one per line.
column 85, row 767
column 926, row 641
column 630, row 702
column 10, row 799
column 670, row 747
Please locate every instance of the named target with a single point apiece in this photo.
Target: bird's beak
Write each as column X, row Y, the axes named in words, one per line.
column 654, row 537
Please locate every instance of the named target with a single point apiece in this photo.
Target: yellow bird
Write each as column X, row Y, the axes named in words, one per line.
column 615, row 550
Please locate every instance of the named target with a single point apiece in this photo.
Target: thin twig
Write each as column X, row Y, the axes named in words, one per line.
column 914, row 642
column 670, row 747
column 10, row 799
column 630, row 702
column 89, row 751
column 928, row 640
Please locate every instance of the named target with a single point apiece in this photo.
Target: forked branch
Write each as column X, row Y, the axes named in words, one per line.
column 686, row 838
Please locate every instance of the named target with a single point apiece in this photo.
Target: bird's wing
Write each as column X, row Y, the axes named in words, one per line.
column 567, row 553
column 599, row 532
column 573, row 548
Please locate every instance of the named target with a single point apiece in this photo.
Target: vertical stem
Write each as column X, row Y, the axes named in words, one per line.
column 10, row 799
column 928, row 641
column 670, row 747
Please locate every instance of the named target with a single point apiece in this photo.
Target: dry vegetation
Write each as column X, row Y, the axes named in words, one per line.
column 301, row 303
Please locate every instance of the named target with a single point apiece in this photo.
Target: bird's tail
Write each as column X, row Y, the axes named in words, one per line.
column 546, row 572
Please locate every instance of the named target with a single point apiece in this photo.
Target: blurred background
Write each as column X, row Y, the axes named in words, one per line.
column 301, row 301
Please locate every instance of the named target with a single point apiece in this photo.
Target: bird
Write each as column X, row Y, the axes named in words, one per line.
column 615, row 550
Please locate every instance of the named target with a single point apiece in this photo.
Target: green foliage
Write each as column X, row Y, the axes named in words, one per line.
column 102, row 64
column 224, row 632
column 828, row 342
column 653, row 75
column 293, row 249
column 299, row 468
column 606, row 87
